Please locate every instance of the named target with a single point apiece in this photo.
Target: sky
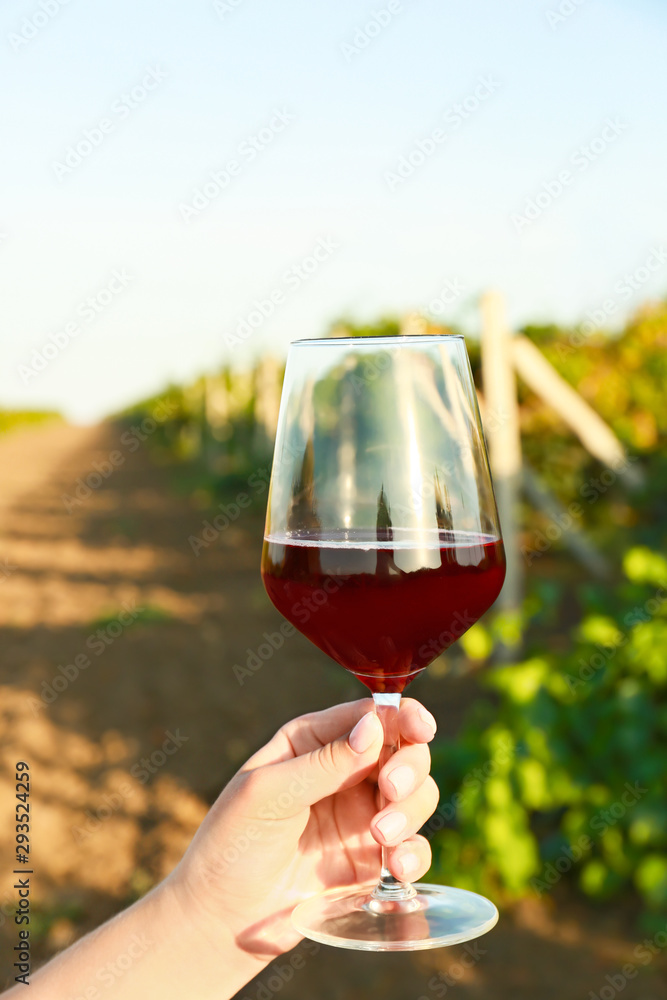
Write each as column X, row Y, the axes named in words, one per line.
column 187, row 185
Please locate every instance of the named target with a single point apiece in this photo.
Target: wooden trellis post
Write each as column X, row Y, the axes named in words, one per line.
column 504, row 439
column 503, row 355
column 216, row 404
column 595, row 435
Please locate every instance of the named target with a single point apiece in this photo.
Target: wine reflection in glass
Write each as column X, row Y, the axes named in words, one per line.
column 382, row 546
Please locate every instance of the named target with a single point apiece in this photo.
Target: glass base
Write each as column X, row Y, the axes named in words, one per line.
column 435, row 916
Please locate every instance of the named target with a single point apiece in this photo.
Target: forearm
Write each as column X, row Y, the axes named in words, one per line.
column 152, row 948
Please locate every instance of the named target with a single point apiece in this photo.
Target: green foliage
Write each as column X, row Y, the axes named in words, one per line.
column 149, row 614
column 42, row 918
column 622, row 377
column 210, row 434
column 11, row 420
column 583, row 794
column 386, row 327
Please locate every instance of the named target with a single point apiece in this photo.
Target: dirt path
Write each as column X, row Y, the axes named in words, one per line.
column 95, row 711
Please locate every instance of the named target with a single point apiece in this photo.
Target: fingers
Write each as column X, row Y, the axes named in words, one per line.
column 415, row 723
column 405, row 771
column 290, row 786
column 411, row 859
column 317, row 728
column 322, row 753
column 401, row 820
column 308, row 732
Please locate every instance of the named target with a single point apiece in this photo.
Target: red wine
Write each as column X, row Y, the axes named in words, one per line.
column 383, row 609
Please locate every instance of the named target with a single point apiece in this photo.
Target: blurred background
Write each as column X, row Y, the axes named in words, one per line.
column 191, row 189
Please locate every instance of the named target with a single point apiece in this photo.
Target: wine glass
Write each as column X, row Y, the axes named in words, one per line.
column 382, row 546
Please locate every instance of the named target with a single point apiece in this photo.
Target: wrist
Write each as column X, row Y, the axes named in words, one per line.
column 204, row 942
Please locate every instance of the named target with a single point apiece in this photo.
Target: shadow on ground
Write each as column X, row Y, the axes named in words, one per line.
column 117, row 685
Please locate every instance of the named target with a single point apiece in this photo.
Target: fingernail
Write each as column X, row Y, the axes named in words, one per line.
column 401, row 780
column 364, row 733
column 408, row 863
column 426, row 717
column 392, row 825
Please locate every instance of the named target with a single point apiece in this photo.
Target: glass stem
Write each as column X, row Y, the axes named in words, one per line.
column 386, row 708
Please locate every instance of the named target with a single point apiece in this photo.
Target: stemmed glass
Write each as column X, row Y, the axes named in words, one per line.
column 382, row 546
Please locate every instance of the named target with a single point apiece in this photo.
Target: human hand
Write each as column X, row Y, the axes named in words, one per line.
column 302, row 816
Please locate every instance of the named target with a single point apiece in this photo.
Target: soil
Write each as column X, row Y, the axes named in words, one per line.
column 111, row 811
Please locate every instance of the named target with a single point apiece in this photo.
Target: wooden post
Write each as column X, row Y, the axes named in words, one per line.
column 590, row 428
column 216, row 405
column 414, row 325
column 504, row 439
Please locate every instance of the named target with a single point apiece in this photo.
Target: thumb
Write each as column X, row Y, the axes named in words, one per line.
column 295, row 784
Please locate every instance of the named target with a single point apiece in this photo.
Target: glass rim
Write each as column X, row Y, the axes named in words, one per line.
column 386, row 339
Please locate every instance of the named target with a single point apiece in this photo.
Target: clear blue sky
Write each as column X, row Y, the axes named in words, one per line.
column 354, row 113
